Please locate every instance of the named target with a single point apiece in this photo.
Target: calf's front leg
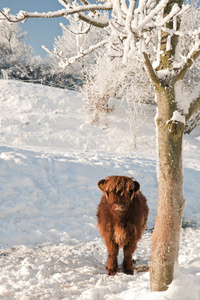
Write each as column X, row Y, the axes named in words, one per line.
column 113, row 249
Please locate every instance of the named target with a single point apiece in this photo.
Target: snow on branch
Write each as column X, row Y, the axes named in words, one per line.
column 193, row 55
column 64, row 3
column 97, row 22
column 135, row 23
column 68, row 10
column 65, row 62
column 194, row 102
column 175, row 12
column 188, row 102
column 195, row 105
column 150, row 16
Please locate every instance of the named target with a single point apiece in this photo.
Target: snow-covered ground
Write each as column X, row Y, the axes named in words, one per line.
column 51, row 159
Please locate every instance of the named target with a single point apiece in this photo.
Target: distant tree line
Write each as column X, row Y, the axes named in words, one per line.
column 17, row 61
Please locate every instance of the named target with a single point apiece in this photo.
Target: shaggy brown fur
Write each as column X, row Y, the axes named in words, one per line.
column 122, row 216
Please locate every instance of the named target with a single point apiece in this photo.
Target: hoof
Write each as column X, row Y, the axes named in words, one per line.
column 128, row 272
column 111, row 272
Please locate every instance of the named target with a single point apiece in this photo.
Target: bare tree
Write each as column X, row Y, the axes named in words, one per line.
column 133, row 25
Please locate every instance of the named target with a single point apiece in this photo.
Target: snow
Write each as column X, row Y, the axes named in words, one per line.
column 51, row 159
column 178, row 117
column 185, row 98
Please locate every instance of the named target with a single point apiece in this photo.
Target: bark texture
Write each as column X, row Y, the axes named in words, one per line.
column 166, row 235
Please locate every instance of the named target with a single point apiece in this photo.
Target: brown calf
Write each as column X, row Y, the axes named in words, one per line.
column 122, row 216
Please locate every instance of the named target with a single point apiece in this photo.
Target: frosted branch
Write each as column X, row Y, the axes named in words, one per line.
column 97, row 22
column 64, row 3
column 193, row 56
column 176, row 11
column 23, row 15
column 117, row 28
column 194, row 106
column 65, row 62
column 85, row 31
column 130, row 16
column 151, row 15
column 188, row 103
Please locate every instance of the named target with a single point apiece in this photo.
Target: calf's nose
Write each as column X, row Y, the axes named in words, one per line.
column 117, row 207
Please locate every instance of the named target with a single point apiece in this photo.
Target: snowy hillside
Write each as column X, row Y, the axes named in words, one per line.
column 51, row 159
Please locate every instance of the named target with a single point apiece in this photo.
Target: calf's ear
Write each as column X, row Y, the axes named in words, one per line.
column 101, row 184
column 136, row 186
column 135, row 189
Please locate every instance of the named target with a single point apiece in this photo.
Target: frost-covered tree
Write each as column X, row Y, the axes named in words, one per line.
column 167, row 59
column 109, row 78
column 14, row 54
column 75, row 38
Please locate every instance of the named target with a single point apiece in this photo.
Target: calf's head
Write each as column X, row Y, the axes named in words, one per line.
column 119, row 192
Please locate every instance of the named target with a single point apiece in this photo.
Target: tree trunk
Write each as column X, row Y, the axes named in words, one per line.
column 166, row 235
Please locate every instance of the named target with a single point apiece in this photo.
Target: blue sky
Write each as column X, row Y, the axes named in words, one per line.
column 39, row 31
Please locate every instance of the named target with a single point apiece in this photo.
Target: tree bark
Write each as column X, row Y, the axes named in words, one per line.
column 166, row 235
